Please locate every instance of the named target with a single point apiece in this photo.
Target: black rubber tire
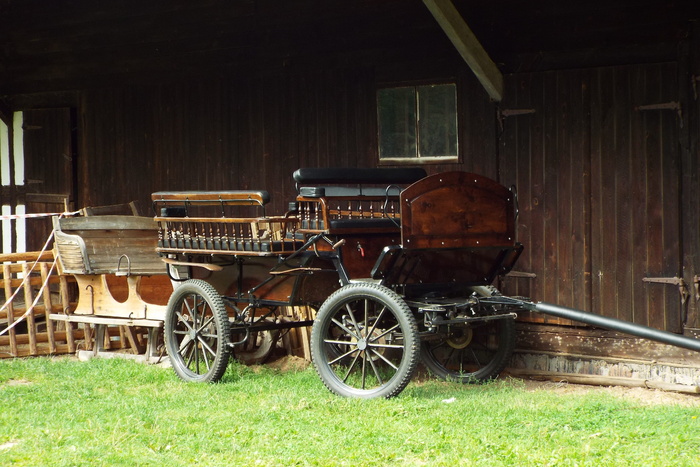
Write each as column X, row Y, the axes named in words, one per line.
column 196, row 314
column 364, row 342
column 471, row 353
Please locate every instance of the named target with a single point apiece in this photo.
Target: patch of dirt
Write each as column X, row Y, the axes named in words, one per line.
column 18, row 382
column 638, row 395
column 289, row 363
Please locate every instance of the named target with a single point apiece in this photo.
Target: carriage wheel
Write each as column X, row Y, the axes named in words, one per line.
column 257, row 347
column 197, row 332
column 364, row 342
column 470, row 353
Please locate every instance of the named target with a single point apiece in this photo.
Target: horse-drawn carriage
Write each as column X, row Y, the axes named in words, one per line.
column 396, row 265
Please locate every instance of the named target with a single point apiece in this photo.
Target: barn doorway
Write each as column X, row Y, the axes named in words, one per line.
column 37, row 170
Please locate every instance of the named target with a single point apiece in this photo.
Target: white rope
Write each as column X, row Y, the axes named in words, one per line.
column 26, row 278
column 33, row 215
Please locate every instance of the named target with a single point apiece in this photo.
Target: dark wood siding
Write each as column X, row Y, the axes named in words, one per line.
column 48, row 168
column 248, row 134
column 598, row 181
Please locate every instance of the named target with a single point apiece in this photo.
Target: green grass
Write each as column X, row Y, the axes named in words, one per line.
column 115, row 412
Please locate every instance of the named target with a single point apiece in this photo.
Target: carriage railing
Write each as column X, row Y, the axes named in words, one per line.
column 341, row 214
column 211, row 223
column 352, row 200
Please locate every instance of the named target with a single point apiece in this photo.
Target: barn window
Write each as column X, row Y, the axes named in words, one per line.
column 417, row 123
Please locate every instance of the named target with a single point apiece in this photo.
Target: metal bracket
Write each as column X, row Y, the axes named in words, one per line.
column 677, row 281
column 505, row 113
column 696, row 281
column 674, row 105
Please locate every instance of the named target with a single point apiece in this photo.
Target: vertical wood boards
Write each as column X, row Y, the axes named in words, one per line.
column 689, row 83
column 598, row 179
column 48, row 168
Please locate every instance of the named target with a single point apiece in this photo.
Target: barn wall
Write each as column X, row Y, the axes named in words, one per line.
column 595, row 156
column 247, row 134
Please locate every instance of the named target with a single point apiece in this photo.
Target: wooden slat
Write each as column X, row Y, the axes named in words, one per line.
column 6, row 278
column 48, row 306
column 31, row 322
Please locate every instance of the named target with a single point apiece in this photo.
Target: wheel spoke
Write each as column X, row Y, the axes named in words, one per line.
column 352, row 365
column 376, row 320
column 376, row 371
column 364, row 369
column 388, row 362
column 205, row 346
column 385, row 346
column 181, row 319
column 346, row 354
column 387, row 331
column 205, row 324
column 346, row 329
column 354, row 321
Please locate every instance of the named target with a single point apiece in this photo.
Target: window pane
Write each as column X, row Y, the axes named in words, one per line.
column 396, row 109
column 437, row 125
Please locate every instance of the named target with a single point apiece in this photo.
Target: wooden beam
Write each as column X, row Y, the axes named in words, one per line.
column 468, row 46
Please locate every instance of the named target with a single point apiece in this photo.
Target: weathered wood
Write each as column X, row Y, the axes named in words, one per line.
column 597, row 343
column 27, row 256
column 604, row 380
column 153, row 323
column 93, row 248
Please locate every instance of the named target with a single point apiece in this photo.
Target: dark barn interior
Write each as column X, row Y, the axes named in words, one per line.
column 592, row 112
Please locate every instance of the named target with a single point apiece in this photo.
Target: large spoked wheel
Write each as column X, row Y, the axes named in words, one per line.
column 470, row 353
column 197, row 332
column 364, row 342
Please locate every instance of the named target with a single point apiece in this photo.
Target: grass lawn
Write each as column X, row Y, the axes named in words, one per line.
column 61, row 412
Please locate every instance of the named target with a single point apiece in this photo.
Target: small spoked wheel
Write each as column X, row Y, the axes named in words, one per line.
column 256, row 346
column 470, row 353
column 197, row 332
column 364, row 342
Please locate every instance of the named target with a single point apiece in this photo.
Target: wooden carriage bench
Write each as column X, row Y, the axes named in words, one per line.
column 215, row 223
column 352, row 200
column 121, row 279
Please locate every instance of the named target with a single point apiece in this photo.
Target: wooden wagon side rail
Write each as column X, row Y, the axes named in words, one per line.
column 206, row 222
column 110, row 257
column 31, row 333
column 347, row 201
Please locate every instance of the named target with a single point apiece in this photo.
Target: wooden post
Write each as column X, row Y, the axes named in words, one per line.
column 48, row 306
column 9, row 310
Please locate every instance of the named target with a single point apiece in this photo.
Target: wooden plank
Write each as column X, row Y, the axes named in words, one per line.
column 65, row 300
column 31, row 322
column 7, row 279
column 690, row 168
column 27, row 256
column 672, row 260
column 468, row 46
column 107, row 321
column 109, row 222
column 48, row 306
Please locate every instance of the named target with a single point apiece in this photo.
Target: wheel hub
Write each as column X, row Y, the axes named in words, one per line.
column 462, row 339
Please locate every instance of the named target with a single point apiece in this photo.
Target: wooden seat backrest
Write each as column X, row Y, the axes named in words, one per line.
column 107, row 245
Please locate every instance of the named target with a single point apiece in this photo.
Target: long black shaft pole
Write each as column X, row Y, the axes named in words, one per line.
column 615, row 324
